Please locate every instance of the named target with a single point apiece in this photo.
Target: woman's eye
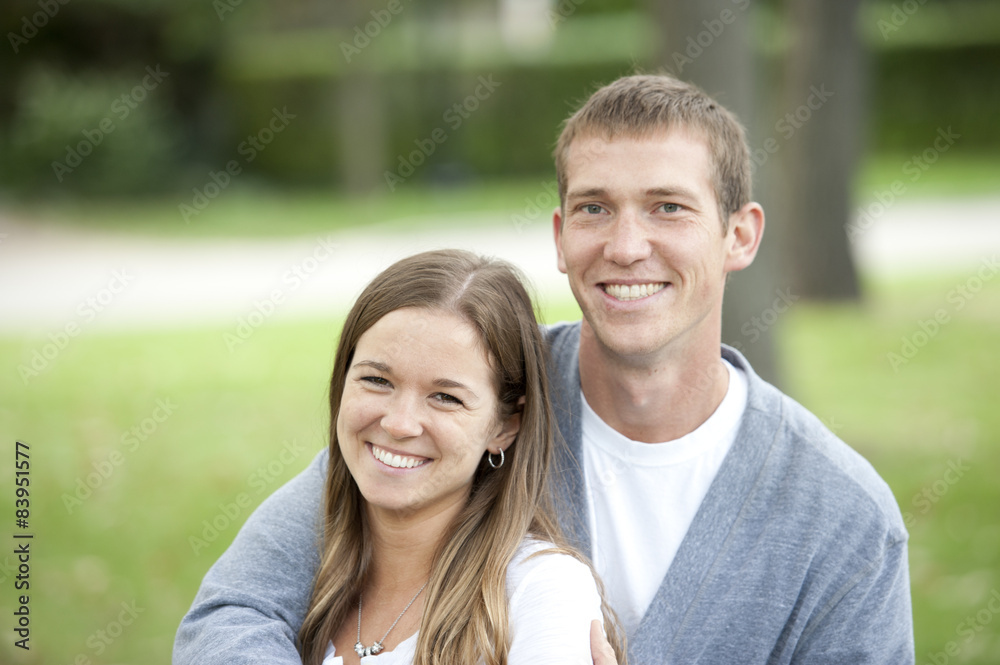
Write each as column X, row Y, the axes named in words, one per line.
column 450, row 399
column 375, row 380
column 670, row 207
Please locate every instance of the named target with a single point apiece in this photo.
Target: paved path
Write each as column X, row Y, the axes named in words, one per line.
column 54, row 276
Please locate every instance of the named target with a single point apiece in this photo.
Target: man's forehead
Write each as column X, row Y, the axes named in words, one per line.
column 597, row 141
column 596, row 154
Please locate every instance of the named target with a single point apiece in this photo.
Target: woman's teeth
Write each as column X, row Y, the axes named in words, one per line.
column 396, row 461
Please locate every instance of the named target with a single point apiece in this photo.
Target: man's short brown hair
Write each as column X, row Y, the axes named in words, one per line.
column 642, row 105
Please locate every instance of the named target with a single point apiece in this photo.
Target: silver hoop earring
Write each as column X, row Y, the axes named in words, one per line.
column 489, row 458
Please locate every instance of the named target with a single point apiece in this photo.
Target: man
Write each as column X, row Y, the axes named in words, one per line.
column 728, row 524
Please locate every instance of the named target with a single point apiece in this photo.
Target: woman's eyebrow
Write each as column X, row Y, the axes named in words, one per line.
column 449, row 383
column 374, row 364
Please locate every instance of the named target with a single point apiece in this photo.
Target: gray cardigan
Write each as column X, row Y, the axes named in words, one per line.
column 797, row 554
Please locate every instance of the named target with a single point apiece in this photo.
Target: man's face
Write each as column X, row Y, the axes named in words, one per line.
column 642, row 241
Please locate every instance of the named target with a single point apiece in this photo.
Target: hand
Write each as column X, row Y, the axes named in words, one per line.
column 600, row 648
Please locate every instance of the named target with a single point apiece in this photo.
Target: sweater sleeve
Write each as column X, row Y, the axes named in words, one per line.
column 553, row 600
column 868, row 622
column 253, row 599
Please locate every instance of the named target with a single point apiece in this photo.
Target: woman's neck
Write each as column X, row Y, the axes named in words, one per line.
column 404, row 547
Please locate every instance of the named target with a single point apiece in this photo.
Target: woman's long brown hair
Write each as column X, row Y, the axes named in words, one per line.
column 465, row 617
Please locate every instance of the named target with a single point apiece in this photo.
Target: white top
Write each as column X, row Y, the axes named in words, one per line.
column 643, row 497
column 552, row 599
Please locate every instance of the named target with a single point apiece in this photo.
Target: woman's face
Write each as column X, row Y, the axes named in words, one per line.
column 418, row 413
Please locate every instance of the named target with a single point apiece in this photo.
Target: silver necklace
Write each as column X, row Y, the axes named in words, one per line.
column 376, row 648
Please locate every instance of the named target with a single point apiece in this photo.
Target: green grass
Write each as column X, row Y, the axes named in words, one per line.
column 952, row 174
column 129, row 541
column 248, row 212
column 244, row 211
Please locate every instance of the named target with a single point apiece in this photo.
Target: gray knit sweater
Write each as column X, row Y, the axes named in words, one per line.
column 797, row 554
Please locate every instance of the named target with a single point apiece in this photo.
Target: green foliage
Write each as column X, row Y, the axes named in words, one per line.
column 916, row 91
column 230, row 68
column 91, row 133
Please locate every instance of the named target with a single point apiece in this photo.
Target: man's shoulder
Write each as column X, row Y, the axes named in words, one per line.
column 836, row 470
column 563, row 342
column 813, row 471
column 563, row 332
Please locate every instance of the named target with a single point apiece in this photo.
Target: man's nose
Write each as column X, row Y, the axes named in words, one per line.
column 628, row 241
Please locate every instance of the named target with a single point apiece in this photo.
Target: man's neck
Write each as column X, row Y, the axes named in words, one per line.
column 657, row 399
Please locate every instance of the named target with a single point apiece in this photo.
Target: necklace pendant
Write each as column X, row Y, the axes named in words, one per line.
column 376, row 648
column 359, row 649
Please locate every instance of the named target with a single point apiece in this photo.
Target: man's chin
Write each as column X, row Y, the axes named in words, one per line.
column 625, row 342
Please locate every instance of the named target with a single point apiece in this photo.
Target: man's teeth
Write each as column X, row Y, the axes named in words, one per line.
column 396, row 461
column 632, row 292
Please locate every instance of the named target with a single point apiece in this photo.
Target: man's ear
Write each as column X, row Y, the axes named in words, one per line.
column 746, row 228
column 508, row 429
column 557, row 233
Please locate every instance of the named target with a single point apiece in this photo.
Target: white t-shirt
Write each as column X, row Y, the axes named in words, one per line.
column 643, row 497
column 552, row 600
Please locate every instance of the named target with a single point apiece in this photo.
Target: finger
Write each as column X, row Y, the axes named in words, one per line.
column 600, row 648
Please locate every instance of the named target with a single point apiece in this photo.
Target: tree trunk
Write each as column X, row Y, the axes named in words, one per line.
column 710, row 44
column 823, row 123
column 359, row 113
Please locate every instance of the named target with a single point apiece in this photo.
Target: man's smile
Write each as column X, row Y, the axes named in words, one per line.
column 632, row 291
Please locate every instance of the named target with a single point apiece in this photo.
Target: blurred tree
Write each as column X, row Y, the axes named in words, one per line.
column 78, row 65
column 710, row 44
column 359, row 104
column 823, row 98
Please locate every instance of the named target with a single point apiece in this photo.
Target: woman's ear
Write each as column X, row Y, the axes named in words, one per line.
column 509, row 429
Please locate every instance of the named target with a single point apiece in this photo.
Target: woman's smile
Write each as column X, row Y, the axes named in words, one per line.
column 396, row 460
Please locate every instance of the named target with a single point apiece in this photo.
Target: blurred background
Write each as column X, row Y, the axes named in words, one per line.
column 193, row 192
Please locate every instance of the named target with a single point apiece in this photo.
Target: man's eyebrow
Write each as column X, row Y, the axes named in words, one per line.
column 600, row 192
column 671, row 191
column 590, row 192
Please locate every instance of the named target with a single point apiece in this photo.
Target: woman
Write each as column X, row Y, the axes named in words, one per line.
column 438, row 536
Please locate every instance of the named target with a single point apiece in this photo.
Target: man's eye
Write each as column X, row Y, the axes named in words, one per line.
column 593, row 209
column 670, row 207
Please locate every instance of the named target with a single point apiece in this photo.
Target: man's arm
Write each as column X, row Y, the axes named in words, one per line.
column 253, row 600
column 869, row 621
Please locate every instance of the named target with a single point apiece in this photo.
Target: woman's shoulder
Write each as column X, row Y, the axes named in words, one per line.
column 539, row 563
column 553, row 600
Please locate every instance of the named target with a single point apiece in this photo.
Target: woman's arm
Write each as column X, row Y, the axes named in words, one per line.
column 553, row 600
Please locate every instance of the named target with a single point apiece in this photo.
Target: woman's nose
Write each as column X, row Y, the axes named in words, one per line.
column 402, row 420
